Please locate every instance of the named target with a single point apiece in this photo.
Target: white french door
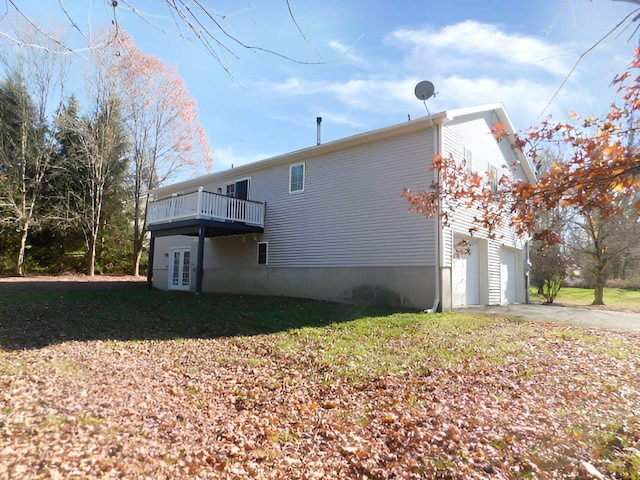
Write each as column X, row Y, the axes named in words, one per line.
column 180, row 269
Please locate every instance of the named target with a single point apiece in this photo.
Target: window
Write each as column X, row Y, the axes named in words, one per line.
column 231, row 190
column 296, row 178
column 468, row 159
column 493, row 177
column 263, row 248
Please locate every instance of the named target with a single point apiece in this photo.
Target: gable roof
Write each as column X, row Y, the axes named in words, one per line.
column 503, row 118
column 356, row 140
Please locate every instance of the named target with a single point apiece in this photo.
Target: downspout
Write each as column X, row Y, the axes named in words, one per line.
column 527, row 270
column 438, row 232
column 152, row 245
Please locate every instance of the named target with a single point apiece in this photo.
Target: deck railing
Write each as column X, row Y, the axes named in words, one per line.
column 205, row 205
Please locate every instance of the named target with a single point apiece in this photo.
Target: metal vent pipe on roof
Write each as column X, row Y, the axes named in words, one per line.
column 318, row 121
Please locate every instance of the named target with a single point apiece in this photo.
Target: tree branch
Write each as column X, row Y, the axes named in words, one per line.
column 582, row 55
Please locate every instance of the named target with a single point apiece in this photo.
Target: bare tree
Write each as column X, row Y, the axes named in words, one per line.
column 598, row 241
column 193, row 19
column 98, row 154
column 94, row 149
column 164, row 136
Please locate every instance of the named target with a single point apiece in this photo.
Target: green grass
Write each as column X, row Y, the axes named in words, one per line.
column 36, row 319
column 615, row 444
column 584, row 296
column 400, row 342
column 363, row 341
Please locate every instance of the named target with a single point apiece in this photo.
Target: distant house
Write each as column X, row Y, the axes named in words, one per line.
column 329, row 222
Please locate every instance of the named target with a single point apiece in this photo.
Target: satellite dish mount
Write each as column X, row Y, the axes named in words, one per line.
column 425, row 90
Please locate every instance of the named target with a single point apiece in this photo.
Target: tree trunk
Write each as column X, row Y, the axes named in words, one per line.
column 136, row 266
column 598, row 298
column 139, row 229
column 137, row 250
column 91, row 260
column 23, row 248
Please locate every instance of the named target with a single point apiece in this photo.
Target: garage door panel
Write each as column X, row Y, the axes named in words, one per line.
column 508, row 275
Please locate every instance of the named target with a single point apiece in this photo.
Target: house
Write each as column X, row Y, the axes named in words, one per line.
column 329, row 222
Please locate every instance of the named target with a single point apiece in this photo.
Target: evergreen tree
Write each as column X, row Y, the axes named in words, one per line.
column 24, row 161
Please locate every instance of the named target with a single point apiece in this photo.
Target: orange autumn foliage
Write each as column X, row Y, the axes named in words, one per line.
column 601, row 170
column 162, row 116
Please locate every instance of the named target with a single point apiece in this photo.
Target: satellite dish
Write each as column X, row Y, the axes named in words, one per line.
column 424, row 90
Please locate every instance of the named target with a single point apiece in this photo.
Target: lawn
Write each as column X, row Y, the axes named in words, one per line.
column 615, row 298
column 147, row 384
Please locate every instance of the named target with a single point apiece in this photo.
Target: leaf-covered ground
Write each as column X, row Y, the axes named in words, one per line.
column 332, row 392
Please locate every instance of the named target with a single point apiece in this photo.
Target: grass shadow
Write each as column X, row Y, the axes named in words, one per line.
column 37, row 314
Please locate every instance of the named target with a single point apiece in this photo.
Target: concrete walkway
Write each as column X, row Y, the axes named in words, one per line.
column 583, row 317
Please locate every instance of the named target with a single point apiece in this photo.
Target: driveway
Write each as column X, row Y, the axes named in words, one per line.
column 583, row 317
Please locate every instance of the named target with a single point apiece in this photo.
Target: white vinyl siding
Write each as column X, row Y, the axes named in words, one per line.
column 352, row 212
column 447, row 247
column 459, row 139
column 475, row 135
column 494, row 266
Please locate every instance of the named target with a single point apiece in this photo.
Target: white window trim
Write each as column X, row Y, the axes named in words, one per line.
column 266, row 256
column 304, row 175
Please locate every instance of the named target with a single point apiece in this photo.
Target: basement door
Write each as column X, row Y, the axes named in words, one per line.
column 466, row 277
column 180, row 269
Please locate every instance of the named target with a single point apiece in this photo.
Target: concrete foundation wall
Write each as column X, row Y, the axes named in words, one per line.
column 406, row 287
column 446, row 295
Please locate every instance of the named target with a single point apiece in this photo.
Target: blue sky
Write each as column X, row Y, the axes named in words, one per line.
column 364, row 59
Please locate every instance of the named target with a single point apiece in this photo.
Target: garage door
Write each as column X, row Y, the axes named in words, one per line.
column 508, row 275
column 466, row 277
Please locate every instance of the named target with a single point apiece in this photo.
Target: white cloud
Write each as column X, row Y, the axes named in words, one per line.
column 292, row 86
column 370, row 94
column 481, row 43
column 225, row 158
column 523, row 98
column 310, row 122
column 373, row 93
column 470, row 63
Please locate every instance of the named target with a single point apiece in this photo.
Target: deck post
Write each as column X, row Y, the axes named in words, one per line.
column 200, row 261
column 152, row 244
column 199, row 202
